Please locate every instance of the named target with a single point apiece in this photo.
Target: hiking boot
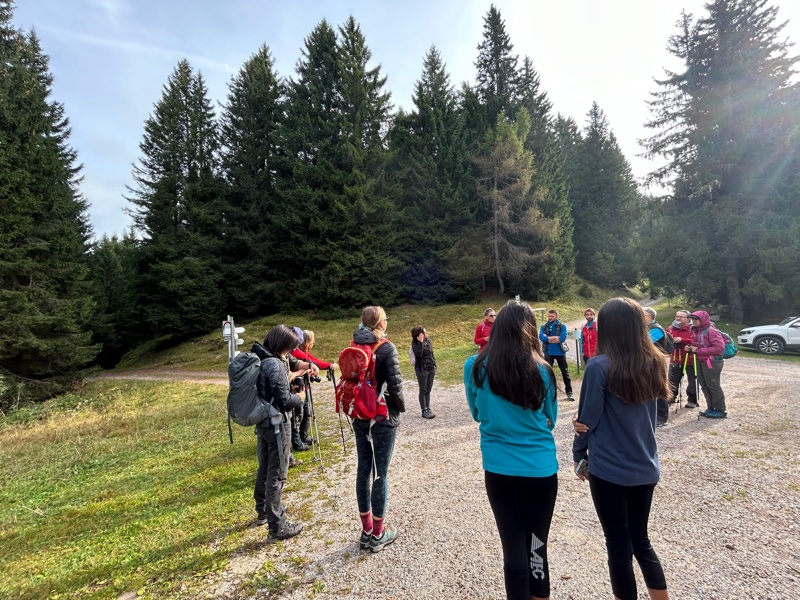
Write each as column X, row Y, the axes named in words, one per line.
column 310, row 440
column 363, row 541
column 261, row 519
column 300, row 448
column 715, row 414
column 286, row 531
column 294, row 462
column 570, row 397
column 387, row 537
column 691, row 405
column 428, row 414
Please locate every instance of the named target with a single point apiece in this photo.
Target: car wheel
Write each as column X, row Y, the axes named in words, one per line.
column 769, row 345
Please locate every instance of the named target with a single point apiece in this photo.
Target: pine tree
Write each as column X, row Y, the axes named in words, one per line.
column 177, row 209
column 45, row 302
column 337, row 205
column 605, row 206
column 117, row 323
column 496, row 66
column 504, row 182
column 431, row 164
column 728, row 126
column 250, row 132
column 553, row 272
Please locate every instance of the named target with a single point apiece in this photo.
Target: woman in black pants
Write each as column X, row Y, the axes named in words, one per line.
column 511, row 392
column 615, row 427
column 425, row 368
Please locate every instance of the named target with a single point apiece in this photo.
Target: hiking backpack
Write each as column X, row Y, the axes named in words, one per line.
column 667, row 342
column 731, row 349
column 356, row 393
column 245, row 406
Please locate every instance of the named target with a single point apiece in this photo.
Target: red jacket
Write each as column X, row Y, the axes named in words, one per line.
column 589, row 339
column 308, row 357
column 679, row 354
column 483, row 330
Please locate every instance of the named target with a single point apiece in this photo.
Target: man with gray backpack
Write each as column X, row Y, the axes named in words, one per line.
column 262, row 398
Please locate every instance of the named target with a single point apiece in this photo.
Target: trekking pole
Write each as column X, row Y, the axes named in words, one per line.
column 696, row 384
column 577, row 350
column 316, row 447
column 332, row 377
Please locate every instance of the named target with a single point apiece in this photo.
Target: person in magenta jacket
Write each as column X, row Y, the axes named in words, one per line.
column 484, row 328
column 708, row 345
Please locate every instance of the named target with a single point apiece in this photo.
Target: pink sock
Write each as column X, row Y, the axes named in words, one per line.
column 366, row 521
column 377, row 527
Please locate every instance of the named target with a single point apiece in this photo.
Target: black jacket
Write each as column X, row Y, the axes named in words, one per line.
column 273, row 381
column 423, row 353
column 387, row 370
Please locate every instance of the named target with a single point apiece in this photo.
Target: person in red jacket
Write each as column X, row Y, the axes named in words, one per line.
column 484, row 328
column 300, row 423
column 589, row 336
column 681, row 332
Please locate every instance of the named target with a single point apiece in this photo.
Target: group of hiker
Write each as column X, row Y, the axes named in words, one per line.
column 511, row 392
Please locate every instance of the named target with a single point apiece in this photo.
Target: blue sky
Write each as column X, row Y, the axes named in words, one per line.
column 110, row 59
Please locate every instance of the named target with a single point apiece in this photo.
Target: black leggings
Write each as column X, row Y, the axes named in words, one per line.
column 623, row 512
column 523, row 509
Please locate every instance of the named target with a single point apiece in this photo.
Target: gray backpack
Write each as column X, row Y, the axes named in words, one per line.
column 245, row 407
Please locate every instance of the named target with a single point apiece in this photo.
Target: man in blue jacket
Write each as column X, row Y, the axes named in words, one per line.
column 553, row 334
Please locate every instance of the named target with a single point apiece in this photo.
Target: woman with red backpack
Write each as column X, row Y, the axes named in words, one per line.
column 375, row 440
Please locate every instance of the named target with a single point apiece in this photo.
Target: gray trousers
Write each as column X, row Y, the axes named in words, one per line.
column 271, row 475
column 709, row 383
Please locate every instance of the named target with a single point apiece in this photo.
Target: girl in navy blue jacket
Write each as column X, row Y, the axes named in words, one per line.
column 615, row 431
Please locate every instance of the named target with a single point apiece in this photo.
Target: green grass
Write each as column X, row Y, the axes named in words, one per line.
column 451, row 328
column 137, row 489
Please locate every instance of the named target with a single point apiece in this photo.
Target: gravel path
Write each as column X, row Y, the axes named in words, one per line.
column 724, row 521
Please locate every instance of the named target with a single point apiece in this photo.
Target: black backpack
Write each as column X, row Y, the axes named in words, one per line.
column 667, row 342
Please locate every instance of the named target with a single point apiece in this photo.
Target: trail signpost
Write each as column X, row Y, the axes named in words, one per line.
column 230, row 333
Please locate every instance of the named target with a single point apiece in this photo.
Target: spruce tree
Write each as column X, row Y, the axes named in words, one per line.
column 45, row 301
column 250, row 129
column 177, row 209
column 605, row 206
column 496, row 78
column 437, row 200
column 727, row 125
column 337, row 205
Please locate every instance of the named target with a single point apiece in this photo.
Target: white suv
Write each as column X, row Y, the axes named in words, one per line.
column 772, row 339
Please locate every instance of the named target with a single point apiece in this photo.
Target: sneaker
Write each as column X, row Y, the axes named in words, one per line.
column 716, row 414
column 261, row 519
column 691, row 405
column 389, row 535
column 570, row 397
column 363, row 541
column 286, row 531
column 661, row 423
column 428, row 414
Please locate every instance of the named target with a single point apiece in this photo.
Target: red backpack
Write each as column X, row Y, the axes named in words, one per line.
column 357, row 392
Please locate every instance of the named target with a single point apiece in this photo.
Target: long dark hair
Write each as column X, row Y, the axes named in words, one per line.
column 637, row 371
column 281, row 340
column 512, row 358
